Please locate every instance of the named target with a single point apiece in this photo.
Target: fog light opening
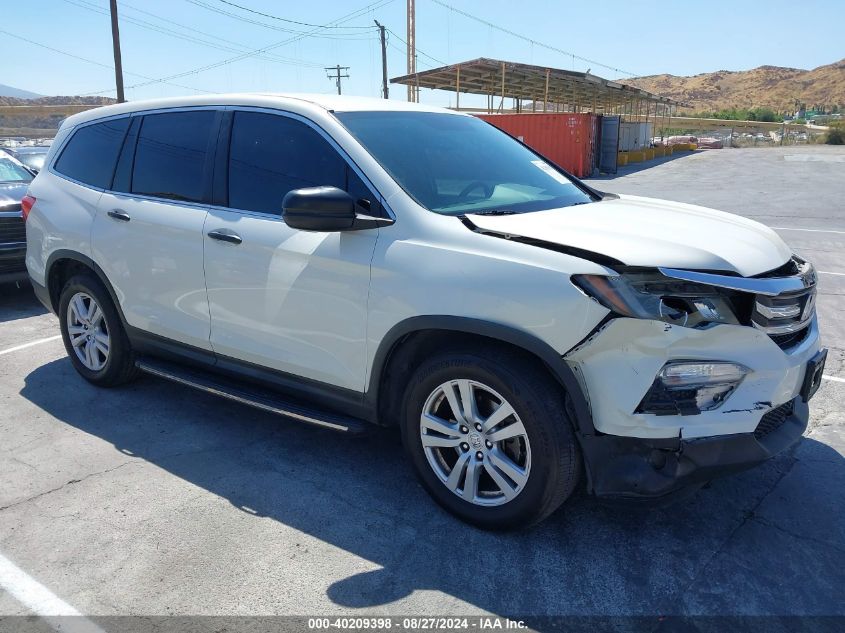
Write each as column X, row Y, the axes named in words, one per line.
column 688, row 388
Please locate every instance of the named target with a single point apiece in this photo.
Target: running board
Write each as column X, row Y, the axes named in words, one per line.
column 252, row 395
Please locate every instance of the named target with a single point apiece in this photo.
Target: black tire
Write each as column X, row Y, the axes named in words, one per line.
column 120, row 366
column 538, row 401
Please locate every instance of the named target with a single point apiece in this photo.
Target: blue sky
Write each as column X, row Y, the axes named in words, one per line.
column 637, row 37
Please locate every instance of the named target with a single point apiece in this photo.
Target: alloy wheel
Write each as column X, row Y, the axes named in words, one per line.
column 475, row 442
column 88, row 332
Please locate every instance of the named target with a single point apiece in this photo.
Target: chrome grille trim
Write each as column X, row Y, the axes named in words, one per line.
column 767, row 286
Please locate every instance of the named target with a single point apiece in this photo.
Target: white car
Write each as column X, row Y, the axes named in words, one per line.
column 345, row 262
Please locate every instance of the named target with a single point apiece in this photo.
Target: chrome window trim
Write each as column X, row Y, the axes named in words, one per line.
column 314, row 126
column 769, row 286
column 14, row 213
column 140, row 196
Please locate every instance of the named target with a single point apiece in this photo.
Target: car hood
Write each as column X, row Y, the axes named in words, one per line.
column 11, row 193
column 648, row 232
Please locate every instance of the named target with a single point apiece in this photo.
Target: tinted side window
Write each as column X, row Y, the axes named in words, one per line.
column 91, row 153
column 270, row 155
column 170, row 155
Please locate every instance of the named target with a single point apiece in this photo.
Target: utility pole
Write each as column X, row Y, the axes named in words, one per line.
column 412, row 49
column 383, row 60
column 337, row 76
column 118, row 66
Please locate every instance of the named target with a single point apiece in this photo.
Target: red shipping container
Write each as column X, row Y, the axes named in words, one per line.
column 566, row 139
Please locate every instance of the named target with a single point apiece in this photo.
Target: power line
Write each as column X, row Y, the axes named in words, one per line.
column 183, row 37
column 405, row 52
column 91, row 61
column 278, row 58
column 421, row 52
column 235, row 16
column 345, row 18
column 531, row 40
column 275, row 17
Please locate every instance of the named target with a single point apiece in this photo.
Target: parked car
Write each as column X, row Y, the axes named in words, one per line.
column 14, row 180
column 710, row 142
column 31, row 156
column 346, row 261
column 676, row 140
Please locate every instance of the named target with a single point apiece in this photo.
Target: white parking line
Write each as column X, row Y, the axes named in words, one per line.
column 789, row 228
column 827, row 272
column 41, row 601
column 25, row 345
column 833, row 378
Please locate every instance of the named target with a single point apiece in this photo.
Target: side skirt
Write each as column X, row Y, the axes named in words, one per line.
column 251, row 395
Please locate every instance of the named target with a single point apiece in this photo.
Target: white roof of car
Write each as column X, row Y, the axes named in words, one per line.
column 295, row 101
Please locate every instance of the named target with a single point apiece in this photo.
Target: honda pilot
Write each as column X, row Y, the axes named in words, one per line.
column 348, row 262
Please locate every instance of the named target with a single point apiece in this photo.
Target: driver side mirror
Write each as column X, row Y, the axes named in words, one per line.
column 326, row 209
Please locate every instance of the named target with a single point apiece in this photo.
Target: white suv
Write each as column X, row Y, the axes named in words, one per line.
column 345, row 261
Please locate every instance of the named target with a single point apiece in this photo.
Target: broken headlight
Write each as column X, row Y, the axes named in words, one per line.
column 652, row 296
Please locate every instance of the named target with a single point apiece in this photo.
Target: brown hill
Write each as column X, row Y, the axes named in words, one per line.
column 767, row 86
column 52, row 101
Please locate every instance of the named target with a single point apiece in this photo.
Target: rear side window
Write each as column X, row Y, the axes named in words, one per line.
column 91, row 153
column 171, row 153
column 270, row 155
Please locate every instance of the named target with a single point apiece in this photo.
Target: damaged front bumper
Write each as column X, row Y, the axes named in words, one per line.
column 634, row 468
column 643, row 455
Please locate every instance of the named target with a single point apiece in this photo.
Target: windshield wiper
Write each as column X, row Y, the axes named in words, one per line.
column 494, row 212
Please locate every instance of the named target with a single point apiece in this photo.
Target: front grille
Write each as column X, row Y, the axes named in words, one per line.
column 773, row 420
column 12, row 230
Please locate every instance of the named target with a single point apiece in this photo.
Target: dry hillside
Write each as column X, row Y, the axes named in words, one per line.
column 767, row 86
column 52, row 101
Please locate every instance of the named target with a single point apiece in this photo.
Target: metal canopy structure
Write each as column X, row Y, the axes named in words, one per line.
column 547, row 89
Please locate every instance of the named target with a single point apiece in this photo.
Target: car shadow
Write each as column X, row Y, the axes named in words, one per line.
column 18, row 301
column 359, row 495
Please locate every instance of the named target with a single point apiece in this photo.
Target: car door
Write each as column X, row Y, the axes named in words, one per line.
column 284, row 299
column 148, row 233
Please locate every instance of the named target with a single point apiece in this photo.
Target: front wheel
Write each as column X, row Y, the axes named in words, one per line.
column 490, row 439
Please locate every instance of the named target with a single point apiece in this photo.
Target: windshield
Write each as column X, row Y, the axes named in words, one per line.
column 33, row 160
column 10, row 171
column 459, row 164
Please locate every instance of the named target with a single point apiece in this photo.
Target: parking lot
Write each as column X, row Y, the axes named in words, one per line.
column 154, row 499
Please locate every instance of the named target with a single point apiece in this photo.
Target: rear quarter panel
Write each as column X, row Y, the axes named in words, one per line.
column 61, row 218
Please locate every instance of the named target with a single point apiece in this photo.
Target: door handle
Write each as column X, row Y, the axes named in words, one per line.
column 117, row 214
column 225, row 235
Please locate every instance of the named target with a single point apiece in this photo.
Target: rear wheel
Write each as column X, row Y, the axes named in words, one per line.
column 93, row 333
column 490, row 439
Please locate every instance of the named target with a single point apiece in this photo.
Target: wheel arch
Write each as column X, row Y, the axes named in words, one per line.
column 409, row 341
column 62, row 265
